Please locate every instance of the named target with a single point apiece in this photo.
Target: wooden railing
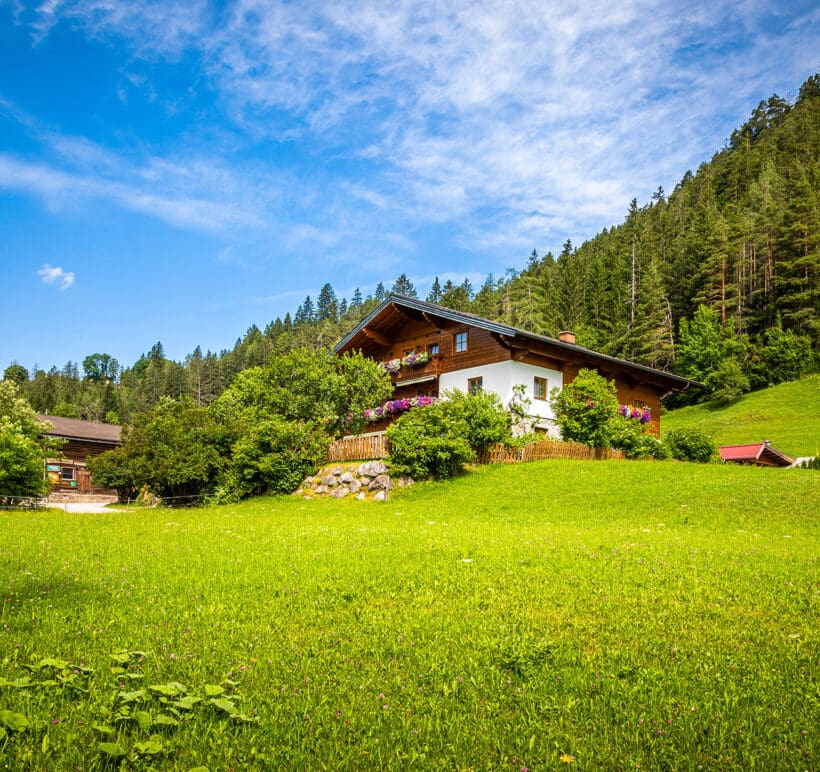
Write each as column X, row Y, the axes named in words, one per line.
column 359, row 447
column 364, row 447
column 408, row 372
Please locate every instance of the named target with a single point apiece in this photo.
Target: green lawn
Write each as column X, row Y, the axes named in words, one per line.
column 651, row 615
column 788, row 415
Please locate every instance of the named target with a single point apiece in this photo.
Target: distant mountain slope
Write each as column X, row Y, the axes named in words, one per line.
column 788, row 415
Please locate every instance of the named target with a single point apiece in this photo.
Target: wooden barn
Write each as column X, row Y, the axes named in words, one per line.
column 69, row 473
column 428, row 349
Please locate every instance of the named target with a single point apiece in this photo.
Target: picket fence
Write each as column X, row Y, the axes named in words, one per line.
column 537, row 451
column 365, row 447
column 359, row 447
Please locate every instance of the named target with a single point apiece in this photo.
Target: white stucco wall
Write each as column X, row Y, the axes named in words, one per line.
column 500, row 377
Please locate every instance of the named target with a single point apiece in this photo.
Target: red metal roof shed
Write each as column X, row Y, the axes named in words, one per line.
column 758, row 453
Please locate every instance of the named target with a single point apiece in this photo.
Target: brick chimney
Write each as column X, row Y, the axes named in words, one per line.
column 567, row 336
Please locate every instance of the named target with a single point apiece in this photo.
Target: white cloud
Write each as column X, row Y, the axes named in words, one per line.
column 551, row 115
column 51, row 274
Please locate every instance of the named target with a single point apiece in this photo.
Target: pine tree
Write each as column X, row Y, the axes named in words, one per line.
column 568, row 292
column 327, row 306
column 653, row 334
column 435, row 292
column 305, row 312
column 403, row 286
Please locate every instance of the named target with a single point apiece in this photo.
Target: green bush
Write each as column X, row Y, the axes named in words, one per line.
column 274, row 456
column 628, row 435
column 436, row 441
column 307, row 385
column 177, row 450
column 482, row 418
column 586, row 408
column 691, row 445
column 22, row 445
column 113, row 469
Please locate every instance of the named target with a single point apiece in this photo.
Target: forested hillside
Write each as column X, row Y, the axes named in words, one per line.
column 717, row 281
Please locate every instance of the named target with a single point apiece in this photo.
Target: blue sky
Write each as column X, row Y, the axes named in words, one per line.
column 178, row 171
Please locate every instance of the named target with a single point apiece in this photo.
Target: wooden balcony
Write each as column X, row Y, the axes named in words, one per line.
column 409, row 373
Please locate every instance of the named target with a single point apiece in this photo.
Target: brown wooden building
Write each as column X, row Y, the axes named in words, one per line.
column 466, row 352
column 69, row 472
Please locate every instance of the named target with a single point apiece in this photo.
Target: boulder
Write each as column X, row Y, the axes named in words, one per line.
column 381, row 483
column 346, row 478
column 329, row 480
column 372, row 468
column 340, row 491
column 355, row 486
column 361, row 496
column 320, row 489
column 380, row 496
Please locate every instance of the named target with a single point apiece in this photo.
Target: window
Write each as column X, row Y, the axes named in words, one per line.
column 539, row 388
column 474, row 385
column 432, row 349
column 461, row 342
column 67, row 473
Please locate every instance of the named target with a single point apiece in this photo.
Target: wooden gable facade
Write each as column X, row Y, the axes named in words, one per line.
column 467, row 351
column 69, row 471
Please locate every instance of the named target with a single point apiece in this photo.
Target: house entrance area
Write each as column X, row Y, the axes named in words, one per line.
column 68, row 477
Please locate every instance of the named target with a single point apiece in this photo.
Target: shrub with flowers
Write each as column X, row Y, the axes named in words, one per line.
column 644, row 415
column 397, row 406
column 411, row 360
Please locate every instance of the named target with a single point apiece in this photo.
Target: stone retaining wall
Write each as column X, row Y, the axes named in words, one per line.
column 361, row 481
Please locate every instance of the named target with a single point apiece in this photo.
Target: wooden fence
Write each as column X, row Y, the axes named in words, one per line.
column 365, row 447
column 360, row 447
column 536, row 451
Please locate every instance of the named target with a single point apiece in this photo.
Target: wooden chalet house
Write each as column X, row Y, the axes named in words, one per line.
column 469, row 353
column 69, row 472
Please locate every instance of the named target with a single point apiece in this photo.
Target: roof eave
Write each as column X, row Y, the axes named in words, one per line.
column 424, row 307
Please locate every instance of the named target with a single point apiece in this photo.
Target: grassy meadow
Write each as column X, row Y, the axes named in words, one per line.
column 788, row 415
column 551, row 615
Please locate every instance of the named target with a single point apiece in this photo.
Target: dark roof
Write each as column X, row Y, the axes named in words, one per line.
column 754, row 452
column 463, row 317
column 74, row 429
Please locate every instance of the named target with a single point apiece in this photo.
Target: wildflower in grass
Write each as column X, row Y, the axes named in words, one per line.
column 566, row 758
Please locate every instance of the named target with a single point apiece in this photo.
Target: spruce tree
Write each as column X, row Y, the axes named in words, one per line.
column 435, row 292
column 403, row 286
